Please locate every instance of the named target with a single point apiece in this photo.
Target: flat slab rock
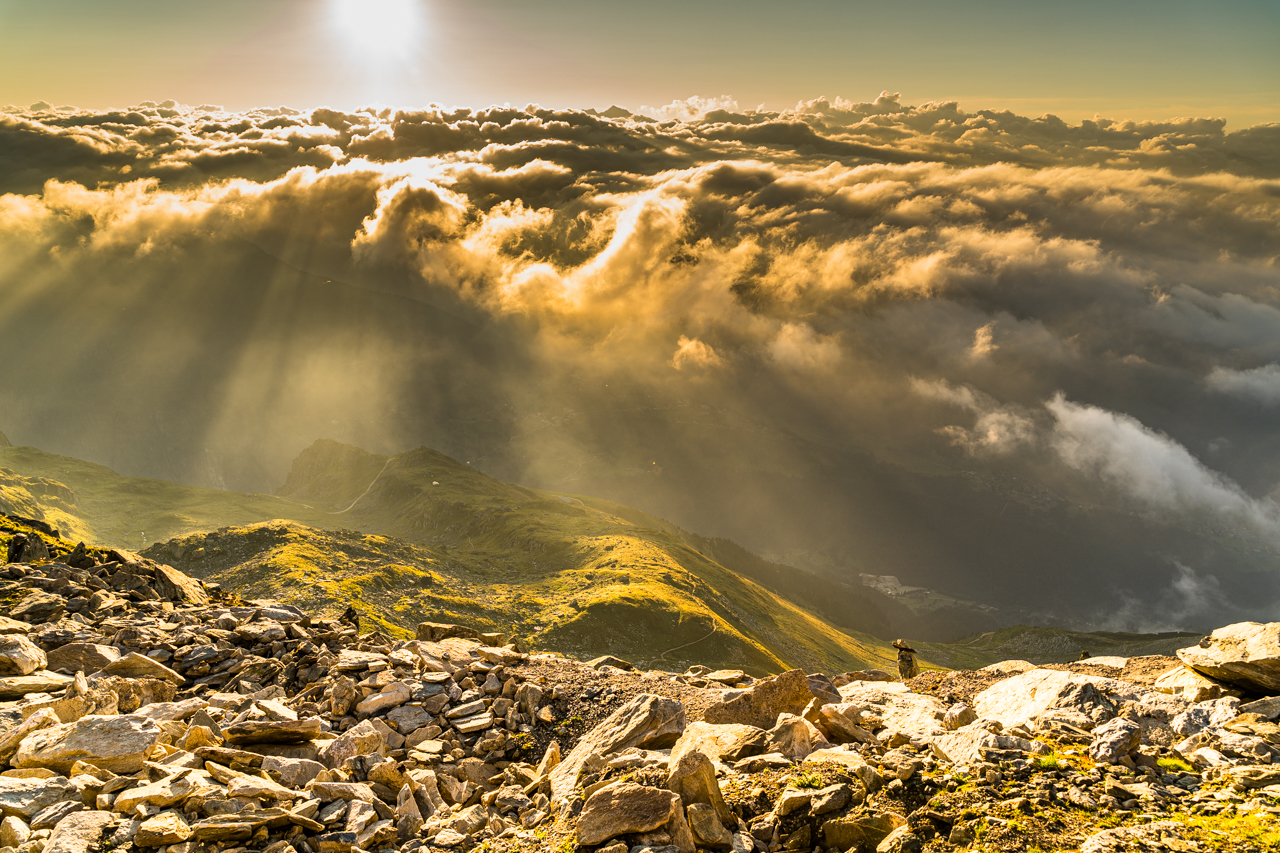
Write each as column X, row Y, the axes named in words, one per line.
column 25, row 797
column 273, row 731
column 624, row 808
column 82, row 657
column 1023, row 697
column 43, row 681
column 117, row 743
column 900, row 710
column 1246, row 654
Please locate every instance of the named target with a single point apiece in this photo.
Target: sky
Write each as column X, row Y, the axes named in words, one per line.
column 985, row 296
column 1131, row 59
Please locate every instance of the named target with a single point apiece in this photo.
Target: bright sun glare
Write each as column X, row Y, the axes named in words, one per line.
column 379, row 28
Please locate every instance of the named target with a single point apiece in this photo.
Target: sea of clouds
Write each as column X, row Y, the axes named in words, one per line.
column 1094, row 306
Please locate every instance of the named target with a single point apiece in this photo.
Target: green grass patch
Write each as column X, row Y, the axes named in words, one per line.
column 807, row 780
column 1172, row 764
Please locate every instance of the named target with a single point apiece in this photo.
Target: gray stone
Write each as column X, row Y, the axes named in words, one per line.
column 707, row 827
column 394, row 694
column 958, row 716
column 166, row 828
column 13, row 832
column 790, row 737
column 173, row 585
column 136, row 665
column 25, row 797
column 1115, row 740
column 901, row 840
column 79, row 832
column 293, row 772
column 43, row 681
column 20, row 656
column 1150, row 837
column 720, row 741
column 863, row 828
column 39, row 606
column 831, row 799
column 1269, row 707
column 693, row 778
column 361, row 739
column 272, row 731
column 12, row 737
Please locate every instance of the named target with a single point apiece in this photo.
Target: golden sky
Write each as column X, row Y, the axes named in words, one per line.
column 1130, row 59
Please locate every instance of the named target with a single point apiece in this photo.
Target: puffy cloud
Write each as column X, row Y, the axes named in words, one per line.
column 691, row 109
column 1260, row 383
column 997, row 430
column 1150, row 467
column 693, row 353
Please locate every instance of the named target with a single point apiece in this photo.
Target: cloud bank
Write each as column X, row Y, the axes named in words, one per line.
column 785, row 310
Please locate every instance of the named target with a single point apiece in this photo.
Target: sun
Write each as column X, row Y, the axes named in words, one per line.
column 378, row 28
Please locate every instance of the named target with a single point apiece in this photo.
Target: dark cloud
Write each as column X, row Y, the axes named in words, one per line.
column 1001, row 356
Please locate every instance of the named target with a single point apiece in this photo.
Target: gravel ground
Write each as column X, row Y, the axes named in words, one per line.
column 1145, row 670
column 587, row 696
column 959, row 685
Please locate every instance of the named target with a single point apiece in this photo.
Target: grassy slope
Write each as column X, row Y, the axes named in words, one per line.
column 1050, row 645
column 567, row 573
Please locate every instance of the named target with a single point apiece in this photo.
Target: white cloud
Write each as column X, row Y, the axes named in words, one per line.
column 1149, row 466
column 998, row 429
column 693, row 108
column 1260, row 383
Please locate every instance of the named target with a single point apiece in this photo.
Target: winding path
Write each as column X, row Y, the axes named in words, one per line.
column 366, row 491
column 714, row 625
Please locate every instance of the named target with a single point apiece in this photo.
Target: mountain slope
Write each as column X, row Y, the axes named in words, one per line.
column 441, row 541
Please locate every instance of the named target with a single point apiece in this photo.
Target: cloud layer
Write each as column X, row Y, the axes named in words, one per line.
column 789, row 309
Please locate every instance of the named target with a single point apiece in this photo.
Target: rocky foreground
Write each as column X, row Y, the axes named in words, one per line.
column 142, row 709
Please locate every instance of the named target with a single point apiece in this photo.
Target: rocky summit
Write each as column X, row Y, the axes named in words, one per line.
column 146, row 710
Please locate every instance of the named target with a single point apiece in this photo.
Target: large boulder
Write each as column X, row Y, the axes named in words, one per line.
column 1246, row 654
column 1024, row 697
column 624, row 808
column 20, row 656
column 82, row 657
column 647, row 721
column 173, row 585
column 760, row 704
column 119, row 744
column 24, row 797
column 1114, row 740
column 719, row 741
column 79, row 832
column 1186, row 682
column 899, row 710
column 693, row 777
